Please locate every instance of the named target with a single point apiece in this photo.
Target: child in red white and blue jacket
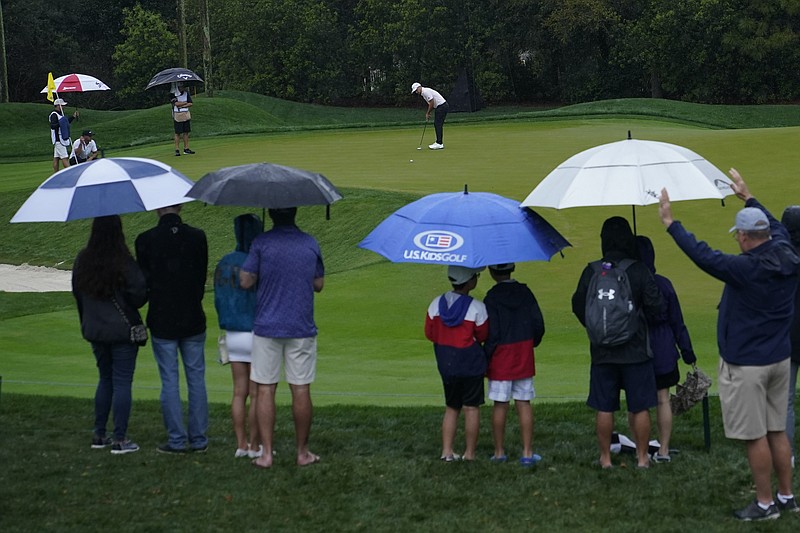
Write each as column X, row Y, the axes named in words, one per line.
column 457, row 324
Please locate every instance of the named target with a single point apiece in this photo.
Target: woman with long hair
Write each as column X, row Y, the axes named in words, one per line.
column 109, row 288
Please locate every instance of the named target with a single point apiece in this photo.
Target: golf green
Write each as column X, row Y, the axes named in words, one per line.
column 372, row 349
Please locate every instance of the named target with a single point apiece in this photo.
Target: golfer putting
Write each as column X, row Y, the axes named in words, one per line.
column 435, row 101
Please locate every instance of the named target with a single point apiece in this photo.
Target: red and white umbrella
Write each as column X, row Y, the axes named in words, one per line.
column 78, row 83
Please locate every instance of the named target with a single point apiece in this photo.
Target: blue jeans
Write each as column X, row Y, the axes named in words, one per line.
column 790, row 411
column 192, row 351
column 115, row 364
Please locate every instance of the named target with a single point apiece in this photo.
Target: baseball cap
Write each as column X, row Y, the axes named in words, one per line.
column 59, row 101
column 88, row 133
column 750, row 219
column 415, row 86
column 459, row 275
column 503, row 267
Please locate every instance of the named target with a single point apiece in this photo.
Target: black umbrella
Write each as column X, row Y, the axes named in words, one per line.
column 174, row 75
column 264, row 185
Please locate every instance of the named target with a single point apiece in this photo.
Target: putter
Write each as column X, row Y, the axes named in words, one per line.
column 423, row 136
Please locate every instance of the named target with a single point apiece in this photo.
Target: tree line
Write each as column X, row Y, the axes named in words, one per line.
column 368, row 52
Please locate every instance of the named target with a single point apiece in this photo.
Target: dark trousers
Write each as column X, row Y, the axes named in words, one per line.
column 440, row 113
column 115, row 364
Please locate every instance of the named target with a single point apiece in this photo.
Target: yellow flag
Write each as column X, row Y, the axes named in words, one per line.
column 51, row 86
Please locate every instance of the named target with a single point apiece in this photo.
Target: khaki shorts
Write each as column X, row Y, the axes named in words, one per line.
column 754, row 399
column 298, row 356
column 60, row 151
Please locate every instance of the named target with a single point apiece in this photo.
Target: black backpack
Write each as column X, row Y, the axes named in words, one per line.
column 611, row 316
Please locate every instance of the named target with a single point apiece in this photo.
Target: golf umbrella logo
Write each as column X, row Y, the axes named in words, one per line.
column 438, row 241
column 185, row 76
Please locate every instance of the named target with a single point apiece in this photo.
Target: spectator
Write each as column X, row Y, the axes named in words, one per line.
column 236, row 310
column 286, row 263
column 109, row 288
column 516, row 326
column 791, row 219
column 629, row 365
column 755, row 317
column 667, row 334
column 174, row 259
column 457, row 324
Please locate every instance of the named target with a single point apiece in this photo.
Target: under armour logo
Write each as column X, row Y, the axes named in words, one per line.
column 605, row 294
column 174, row 230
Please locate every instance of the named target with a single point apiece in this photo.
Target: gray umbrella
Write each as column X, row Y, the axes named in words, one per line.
column 264, row 185
column 174, row 75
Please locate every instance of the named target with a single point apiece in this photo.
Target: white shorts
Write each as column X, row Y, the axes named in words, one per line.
column 518, row 389
column 60, row 151
column 240, row 346
column 298, row 356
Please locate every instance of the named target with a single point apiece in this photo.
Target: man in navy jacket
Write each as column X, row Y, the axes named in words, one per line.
column 755, row 315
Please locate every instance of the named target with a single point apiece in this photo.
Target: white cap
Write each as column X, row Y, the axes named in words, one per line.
column 415, row 86
column 59, row 101
column 458, row 275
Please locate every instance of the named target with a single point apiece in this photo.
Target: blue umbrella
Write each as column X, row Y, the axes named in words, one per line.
column 110, row 186
column 467, row 229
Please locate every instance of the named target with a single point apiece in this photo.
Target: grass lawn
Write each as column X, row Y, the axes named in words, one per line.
column 378, row 394
column 380, row 471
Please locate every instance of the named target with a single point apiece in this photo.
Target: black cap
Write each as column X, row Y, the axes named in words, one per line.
column 88, row 133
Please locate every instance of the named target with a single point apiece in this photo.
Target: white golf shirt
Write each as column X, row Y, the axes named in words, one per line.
column 429, row 94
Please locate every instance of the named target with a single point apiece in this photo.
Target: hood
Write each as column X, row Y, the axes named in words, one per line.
column 453, row 308
column 647, row 253
column 616, row 236
column 246, row 228
column 511, row 295
column 791, row 219
column 778, row 256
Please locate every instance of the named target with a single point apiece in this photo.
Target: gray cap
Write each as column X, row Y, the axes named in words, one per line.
column 503, row 267
column 750, row 219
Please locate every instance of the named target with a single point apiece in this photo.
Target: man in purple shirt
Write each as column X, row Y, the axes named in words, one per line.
column 286, row 264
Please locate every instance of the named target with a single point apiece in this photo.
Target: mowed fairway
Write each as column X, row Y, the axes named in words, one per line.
column 372, row 349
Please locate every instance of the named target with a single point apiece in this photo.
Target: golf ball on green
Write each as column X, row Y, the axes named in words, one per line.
column 410, row 160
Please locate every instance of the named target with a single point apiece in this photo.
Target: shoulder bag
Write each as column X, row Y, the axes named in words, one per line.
column 138, row 331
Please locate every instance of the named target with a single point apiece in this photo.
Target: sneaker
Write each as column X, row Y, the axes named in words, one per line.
column 187, row 151
column 453, row 457
column 241, row 453
column 790, row 506
column 754, row 512
column 658, row 458
column 255, row 454
column 166, row 448
column 436, row 146
column 201, row 449
column 530, row 461
column 99, row 443
column 124, row 446
column 177, row 153
column 497, row 459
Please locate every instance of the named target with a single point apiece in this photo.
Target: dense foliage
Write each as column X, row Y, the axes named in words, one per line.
column 369, row 51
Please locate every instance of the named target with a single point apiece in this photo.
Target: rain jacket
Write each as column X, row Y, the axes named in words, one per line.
column 757, row 305
column 667, row 330
column 101, row 322
column 618, row 243
column 516, row 326
column 791, row 219
column 457, row 324
column 174, row 259
column 236, row 306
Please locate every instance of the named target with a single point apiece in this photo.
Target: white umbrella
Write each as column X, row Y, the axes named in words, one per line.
column 101, row 187
column 78, row 83
column 629, row 172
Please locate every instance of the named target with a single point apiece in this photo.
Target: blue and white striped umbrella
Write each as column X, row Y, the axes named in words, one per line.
column 110, row 186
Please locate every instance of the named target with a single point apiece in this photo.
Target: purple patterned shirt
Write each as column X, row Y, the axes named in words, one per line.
column 286, row 261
